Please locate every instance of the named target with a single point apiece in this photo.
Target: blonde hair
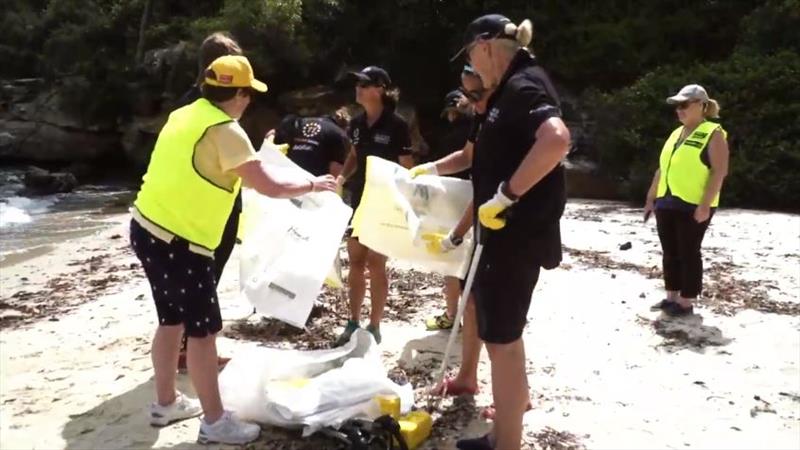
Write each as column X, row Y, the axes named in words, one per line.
column 711, row 109
column 522, row 34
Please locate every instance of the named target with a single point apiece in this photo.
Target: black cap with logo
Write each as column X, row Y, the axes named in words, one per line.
column 490, row 26
column 373, row 75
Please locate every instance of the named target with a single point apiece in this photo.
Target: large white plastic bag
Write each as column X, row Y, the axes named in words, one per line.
column 288, row 245
column 260, row 385
column 396, row 210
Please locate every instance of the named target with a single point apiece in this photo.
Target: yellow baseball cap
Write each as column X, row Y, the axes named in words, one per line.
column 233, row 71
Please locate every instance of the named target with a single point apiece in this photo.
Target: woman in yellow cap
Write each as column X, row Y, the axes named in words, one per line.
column 685, row 192
column 201, row 158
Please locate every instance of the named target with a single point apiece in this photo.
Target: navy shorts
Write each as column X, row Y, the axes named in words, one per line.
column 504, row 281
column 183, row 283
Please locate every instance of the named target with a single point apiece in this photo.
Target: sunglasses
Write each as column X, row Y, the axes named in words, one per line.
column 367, row 84
column 475, row 95
column 684, row 105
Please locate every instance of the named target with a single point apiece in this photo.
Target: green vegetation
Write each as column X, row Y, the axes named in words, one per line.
column 621, row 59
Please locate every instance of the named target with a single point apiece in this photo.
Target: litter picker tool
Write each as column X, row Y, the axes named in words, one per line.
column 480, row 239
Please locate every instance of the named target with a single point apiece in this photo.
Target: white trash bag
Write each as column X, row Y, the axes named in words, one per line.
column 310, row 389
column 396, row 210
column 288, row 245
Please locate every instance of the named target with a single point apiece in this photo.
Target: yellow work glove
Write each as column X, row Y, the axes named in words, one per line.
column 490, row 213
column 283, row 148
column 423, row 169
column 439, row 243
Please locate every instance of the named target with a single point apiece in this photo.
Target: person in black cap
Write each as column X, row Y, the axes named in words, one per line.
column 518, row 181
column 378, row 131
column 317, row 144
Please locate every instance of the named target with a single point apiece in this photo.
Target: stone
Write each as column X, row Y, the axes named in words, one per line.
column 39, row 181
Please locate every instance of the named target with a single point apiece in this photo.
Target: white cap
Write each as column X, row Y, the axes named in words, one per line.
column 689, row 92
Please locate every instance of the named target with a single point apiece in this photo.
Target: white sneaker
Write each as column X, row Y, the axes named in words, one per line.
column 182, row 408
column 228, row 430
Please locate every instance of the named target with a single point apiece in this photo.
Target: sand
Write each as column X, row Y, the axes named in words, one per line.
column 605, row 371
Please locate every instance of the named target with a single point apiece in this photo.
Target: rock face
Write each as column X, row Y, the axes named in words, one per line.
column 41, row 182
column 36, row 129
column 42, row 142
column 585, row 181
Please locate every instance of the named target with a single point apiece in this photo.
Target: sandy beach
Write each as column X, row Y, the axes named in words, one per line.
column 605, row 371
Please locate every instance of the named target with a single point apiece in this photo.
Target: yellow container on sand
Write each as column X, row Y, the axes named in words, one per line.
column 389, row 405
column 415, row 427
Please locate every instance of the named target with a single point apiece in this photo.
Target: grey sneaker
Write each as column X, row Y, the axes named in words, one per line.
column 228, row 430
column 182, row 408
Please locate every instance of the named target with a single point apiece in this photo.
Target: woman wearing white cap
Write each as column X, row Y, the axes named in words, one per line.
column 685, row 192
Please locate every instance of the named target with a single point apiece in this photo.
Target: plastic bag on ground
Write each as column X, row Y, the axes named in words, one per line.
column 288, row 245
column 310, row 389
column 396, row 210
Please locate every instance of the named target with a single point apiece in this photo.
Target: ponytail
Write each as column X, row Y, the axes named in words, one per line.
column 711, row 109
column 517, row 36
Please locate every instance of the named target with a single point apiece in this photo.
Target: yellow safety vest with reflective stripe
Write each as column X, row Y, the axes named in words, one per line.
column 682, row 169
column 174, row 195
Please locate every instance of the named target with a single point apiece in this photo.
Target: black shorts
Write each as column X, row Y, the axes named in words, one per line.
column 183, row 283
column 504, row 281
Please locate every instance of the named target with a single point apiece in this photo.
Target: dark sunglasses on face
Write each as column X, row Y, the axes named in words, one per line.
column 367, row 84
column 684, row 105
column 475, row 96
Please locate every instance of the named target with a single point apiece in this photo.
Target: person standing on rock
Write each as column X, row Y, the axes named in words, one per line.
column 319, row 145
column 518, row 181
column 381, row 132
column 201, row 158
column 685, row 193
column 213, row 46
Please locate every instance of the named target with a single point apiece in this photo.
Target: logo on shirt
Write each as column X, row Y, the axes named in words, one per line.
column 494, row 113
column 382, row 139
column 311, row 129
column 355, row 136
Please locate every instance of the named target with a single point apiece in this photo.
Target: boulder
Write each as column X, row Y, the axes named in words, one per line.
column 39, row 181
column 312, row 101
column 139, row 137
column 585, row 181
column 23, row 141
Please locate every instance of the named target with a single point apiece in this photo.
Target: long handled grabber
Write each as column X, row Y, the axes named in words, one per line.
column 480, row 238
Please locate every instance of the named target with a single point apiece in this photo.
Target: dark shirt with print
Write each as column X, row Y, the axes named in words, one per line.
column 524, row 100
column 314, row 142
column 387, row 138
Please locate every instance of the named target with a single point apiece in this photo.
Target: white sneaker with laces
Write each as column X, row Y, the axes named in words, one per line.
column 228, row 430
column 182, row 408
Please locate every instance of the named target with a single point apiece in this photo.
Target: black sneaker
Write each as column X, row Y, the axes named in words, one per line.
column 481, row 443
column 676, row 310
column 662, row 305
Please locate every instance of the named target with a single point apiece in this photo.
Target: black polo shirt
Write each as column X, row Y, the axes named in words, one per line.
column 387, row 138
column 314, row 142
column 453, row 140
column 524, row 99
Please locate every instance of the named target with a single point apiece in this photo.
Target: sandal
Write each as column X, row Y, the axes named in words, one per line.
column 489, row 412
column 453, row 390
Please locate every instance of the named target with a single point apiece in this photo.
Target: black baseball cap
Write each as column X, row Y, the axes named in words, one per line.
column 452, row 98
column 374, row 75
column 490, row 26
